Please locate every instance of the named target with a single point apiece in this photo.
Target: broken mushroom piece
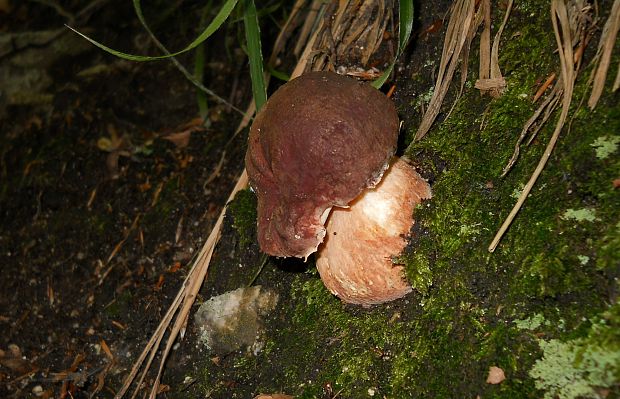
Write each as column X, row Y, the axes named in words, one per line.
column 355, row 260
column 318, row 144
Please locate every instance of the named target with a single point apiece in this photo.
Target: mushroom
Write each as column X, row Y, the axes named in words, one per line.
column 355, row 260
column 324, row 141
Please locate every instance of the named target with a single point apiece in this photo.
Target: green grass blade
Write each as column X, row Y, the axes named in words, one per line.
column 219, row 19
column 199, row 67
column 405, row 22
column 255, row 55
column 405, row 26
column 278, row 74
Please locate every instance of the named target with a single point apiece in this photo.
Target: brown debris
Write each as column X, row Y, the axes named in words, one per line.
column 603, row 56
column 491, row 80
column 462, row 25
column 496, row 375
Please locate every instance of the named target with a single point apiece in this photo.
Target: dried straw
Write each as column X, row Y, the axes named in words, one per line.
column 567, row 25
column 461, row 19
column 603, row 56
column 491, row 80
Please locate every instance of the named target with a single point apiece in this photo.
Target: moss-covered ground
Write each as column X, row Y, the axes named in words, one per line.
column 543, row 307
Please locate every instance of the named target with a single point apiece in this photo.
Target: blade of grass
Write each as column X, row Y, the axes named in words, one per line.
column 219, row 19
column 199, row 67
column 255, row 55
column 278, row 74
column 462, row 20
column 190, row 77
column 405, row 26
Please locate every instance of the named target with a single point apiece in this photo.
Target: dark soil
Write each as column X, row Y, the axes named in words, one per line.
column 94, row 249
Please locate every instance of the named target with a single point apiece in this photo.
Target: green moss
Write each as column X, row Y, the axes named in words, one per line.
column 355, row 346
column 546, row 255
column 531, row 323
column 420, row 275
column 243, row 212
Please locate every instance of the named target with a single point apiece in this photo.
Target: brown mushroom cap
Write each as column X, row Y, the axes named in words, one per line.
column 318, row 142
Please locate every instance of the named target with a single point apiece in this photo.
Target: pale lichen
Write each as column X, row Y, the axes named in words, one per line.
column 605, row 146
column 580, row 215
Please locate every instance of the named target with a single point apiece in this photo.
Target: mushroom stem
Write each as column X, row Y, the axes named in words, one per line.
column 355, row 260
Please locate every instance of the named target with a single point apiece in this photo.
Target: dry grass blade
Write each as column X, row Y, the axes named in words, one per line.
column 490, row 85
column 285, row 32
column 311, row 18
column 194, row 281
column 351, row 34
column 496, row 73
column 485, row 42
column 491, row 80
column 603, row 56
column 462, row 17
column 535, row 122
column 479, row 17
column 566, row 26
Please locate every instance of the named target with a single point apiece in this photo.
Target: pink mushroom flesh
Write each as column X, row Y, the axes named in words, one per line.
column 355, row 261
column 319, row 141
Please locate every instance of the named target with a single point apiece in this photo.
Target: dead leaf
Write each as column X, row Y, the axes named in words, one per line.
column 146, row 186
column 179, row 139
column 13, row 360
column 273, row 396
column 175, row 267
column 496, row 375
column 544, row 87
column 181, row 135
